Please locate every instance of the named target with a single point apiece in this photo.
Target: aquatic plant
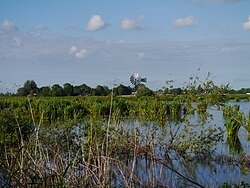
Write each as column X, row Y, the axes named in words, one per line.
column 233, row 119
column 248, row 123
column 73, row 144
column 234, row 145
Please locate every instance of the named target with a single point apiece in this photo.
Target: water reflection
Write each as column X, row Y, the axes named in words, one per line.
column 234, row 145
column 147, row 158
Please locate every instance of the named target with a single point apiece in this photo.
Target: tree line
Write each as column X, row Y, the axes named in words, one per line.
column 30, row 88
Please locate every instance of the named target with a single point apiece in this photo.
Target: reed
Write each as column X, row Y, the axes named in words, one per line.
column 92, row 154
column 233, row 119
column 247, row 126
column 69, row 141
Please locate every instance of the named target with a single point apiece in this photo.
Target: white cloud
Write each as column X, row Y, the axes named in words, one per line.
column 119, row 59
column 73, row 50
column 132, row 24
column 246, row 25
column 96, row 22
column 81, row 54
column 8, row 26
column 184, row 22
column 78, row 53
column 128, row 24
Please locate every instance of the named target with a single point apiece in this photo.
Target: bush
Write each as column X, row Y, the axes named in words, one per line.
column 144, row 91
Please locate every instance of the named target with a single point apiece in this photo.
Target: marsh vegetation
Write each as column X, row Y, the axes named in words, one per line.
column 169, row 140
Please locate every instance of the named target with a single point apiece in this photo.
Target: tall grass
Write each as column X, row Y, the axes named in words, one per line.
column 248, row 123
column 234, row 119
column 93, row 153
column 68, row 142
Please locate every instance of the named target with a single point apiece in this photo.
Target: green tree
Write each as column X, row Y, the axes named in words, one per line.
column 82, row 90
column 176, row 91
column 44, row 91
column 101, row 90
column 122, row 90
column 68, row 89
column 21, row 91
column 144, row 91
column 57, row 90
column 29, row 87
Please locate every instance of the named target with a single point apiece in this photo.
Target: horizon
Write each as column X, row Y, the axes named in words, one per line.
column 95, row 43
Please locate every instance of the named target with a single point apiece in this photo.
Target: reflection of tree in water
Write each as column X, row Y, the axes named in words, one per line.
column 234, row 145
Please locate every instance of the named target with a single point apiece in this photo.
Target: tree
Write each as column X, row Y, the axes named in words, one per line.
column 144, row 91
column 21, row 91
column 57, row 90
column 82, row 90
column 101, row 90
column 176, row 91
column 122, row 90
column 68, row 89
column 44, row 91
column 30, row 87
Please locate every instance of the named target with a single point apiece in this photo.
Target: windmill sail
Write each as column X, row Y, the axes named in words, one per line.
column 136, row 79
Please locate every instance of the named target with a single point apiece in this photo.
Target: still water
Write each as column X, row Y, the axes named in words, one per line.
column 230, row 163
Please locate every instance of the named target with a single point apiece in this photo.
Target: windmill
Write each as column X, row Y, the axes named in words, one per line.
column 136, row 79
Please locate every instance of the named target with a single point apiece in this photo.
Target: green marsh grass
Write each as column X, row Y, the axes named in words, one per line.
column 69, row 141
column 233, row 119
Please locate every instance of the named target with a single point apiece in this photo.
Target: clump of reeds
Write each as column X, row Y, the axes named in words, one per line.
column 173, row 109
column 234, row 145
column 247, row 125
column 233, row 119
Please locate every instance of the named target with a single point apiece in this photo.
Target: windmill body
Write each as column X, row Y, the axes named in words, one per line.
column 136, row 79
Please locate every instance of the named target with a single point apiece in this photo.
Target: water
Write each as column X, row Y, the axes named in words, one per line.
column 161, row 166
column 230, row 163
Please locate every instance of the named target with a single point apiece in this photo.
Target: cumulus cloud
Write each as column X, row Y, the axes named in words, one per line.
column 184, row 22
column 96, row 22
column 73, row 50
column 78, row 53
column 8, row 26
column 132, row 24
column 246, row 25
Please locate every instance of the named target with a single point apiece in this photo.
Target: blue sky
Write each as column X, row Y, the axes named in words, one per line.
column 96, row 42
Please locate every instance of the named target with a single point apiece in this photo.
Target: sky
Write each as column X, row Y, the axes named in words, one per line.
column 100, row 42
